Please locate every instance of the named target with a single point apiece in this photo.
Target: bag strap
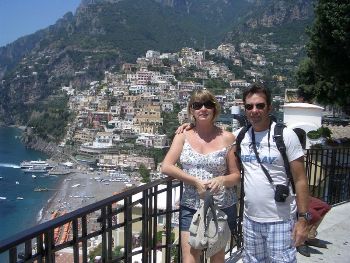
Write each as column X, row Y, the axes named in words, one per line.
column 258, row 158
column 209, row 203
column 278, row 137
column 239, row 139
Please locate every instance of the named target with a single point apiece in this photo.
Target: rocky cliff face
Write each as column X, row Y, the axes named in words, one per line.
column 274, row 13
column 36, row 143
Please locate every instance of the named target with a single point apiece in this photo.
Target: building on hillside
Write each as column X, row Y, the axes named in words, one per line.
column 133, row 162
column 105, row 142
column 152, row 54
column 192, row 86
column 152, row 140
column 239, row 83
column 149, row 115
column 84, row 136
column 182, row 116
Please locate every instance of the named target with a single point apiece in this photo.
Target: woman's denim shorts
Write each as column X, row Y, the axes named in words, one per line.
column 186, row 215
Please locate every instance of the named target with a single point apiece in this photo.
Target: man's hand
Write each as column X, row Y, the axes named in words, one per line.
column 300, row 232
column 184, row 127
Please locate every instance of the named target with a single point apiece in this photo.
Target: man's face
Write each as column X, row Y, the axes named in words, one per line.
column 256, row 109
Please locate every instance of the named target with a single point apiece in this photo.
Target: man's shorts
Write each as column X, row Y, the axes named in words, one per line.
column 186, row 215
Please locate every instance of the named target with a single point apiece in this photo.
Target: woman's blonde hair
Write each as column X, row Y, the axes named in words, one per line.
column 202, row 96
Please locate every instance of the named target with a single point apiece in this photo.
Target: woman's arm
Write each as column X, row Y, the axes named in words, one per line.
column 169, row 164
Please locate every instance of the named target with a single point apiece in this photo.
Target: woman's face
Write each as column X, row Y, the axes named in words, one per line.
column 203, row 110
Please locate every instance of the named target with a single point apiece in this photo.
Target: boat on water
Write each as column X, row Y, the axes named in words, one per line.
column 3, row 198
column 40, row 189
column 33, row 176
column 35, row 166
column 20, row 198
column 17, row 182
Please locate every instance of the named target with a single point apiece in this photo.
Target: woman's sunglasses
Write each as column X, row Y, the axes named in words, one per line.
column 259, row 106
column 207, row 104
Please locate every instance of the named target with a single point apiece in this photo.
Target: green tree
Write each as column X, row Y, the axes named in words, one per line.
column 145, row 174
column 325, row 76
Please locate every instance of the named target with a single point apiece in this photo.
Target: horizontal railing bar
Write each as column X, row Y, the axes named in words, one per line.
column 22, row 236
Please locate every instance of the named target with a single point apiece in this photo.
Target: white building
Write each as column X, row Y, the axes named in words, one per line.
column 302, row 118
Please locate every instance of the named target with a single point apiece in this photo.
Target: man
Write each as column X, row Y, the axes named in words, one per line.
column 271, row 229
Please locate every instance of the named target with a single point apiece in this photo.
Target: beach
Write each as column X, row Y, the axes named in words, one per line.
column 78, row 189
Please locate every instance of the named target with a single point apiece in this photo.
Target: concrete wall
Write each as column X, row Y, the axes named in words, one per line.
column 304, row 116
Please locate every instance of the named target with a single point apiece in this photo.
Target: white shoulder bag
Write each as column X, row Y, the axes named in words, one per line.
column 209, row 229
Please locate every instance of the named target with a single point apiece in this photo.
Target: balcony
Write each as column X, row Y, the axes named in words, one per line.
column 141, row 224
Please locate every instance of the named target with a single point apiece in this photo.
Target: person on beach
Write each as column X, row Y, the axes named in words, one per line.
column 271, row 229
column 208, row 162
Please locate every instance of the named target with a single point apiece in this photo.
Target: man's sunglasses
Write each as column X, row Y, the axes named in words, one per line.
column 259, row 106
column 198, row 105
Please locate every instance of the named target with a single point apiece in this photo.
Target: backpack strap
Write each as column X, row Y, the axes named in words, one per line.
column 278, row 137
column 239, row 139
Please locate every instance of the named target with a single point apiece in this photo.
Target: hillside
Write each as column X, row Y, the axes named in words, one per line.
column 102, row 34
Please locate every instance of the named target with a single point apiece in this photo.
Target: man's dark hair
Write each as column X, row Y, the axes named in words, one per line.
column 257, row 88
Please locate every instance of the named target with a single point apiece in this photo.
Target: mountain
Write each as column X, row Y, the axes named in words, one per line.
column 284, row 21
column 102, row 34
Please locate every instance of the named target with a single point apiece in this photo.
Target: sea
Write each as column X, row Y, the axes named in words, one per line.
column 20, row 206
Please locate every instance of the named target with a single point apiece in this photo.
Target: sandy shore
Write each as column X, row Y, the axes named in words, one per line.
column 79, row 189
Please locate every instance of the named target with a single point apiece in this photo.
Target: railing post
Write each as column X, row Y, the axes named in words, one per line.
column 84, row 234
column 39, row 248
column 49, row 244
column 155, row 223
column 13, row 255
column 109, row 233
column 128, row 229
column 104, row 238
column 168, row 221
column 145, row 234
column 28, row 249
column 75, row 240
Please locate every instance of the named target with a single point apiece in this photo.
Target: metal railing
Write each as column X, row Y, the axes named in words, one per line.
column 149, row 211
column 111, row 216
column 328, row 172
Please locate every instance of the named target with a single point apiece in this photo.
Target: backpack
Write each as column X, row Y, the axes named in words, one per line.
column 278, row 138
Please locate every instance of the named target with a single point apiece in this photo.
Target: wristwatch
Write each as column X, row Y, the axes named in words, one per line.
column 306, row 215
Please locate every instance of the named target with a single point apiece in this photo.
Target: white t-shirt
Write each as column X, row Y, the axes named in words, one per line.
column 260, row 205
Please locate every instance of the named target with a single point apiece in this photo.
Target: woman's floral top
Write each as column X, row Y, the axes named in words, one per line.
column 205, row 167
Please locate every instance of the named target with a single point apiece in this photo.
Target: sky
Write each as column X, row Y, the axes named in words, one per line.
column 23, row 17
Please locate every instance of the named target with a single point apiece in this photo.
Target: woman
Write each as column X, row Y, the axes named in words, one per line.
column 207, row 162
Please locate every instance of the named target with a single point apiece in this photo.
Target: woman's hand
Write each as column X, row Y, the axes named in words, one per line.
column 201, row 187
column 216, row 184
column 184, row 127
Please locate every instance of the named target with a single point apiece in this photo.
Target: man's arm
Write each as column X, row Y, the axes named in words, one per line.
column 302, row 198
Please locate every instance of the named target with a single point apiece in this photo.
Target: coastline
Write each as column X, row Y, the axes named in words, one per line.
column 76, row 190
